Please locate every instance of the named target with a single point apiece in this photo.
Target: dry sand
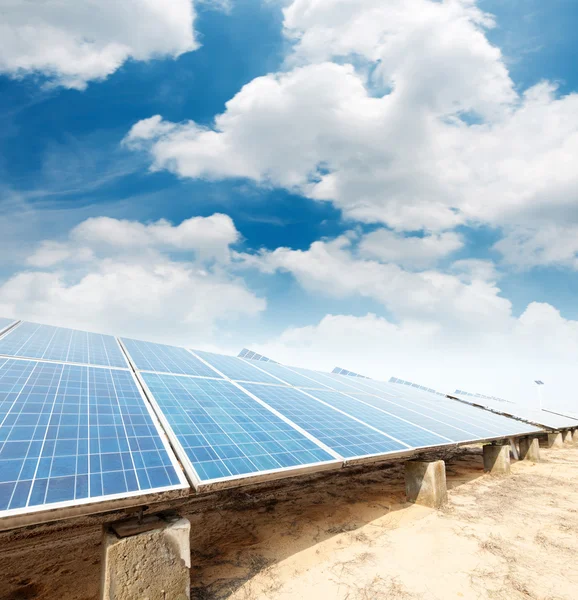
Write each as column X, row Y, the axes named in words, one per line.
column 348, row 536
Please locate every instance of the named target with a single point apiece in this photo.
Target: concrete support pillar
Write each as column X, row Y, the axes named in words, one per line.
column 567, row 437
column 575, row 436
column 555, row 440
column 529, row 449
column 425, row 483
column 148, row 559
column 497, row 459
column 514, row 449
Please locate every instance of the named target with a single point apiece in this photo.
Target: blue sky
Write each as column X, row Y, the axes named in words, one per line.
column 358, row 202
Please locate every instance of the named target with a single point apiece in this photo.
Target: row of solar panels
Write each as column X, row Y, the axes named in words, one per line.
column 80, row 413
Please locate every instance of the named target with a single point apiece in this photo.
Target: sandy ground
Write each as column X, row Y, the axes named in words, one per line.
column 348, row 536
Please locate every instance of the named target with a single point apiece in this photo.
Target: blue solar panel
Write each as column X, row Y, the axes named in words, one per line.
column 324, row 380
column 76, row 434
column 4, row 323
column 482, row 424
column 30, row 340
column 226, row 433
column 160, row 358
column 290, row 377
column 235, row 368
column 339, row 432
column 441, row 424
column 388, row 423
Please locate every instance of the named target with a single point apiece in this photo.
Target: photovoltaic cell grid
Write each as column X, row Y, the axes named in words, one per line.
column 339, row 432
column 224, row 432
column 71, row 433
column 148, row 356
column 235, row 368
column 245, row 353
column 291, row 377
column 31, row 340
column 402, row 430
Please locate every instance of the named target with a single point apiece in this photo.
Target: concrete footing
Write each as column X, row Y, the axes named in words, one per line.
column 497, row 459
column 425, row 483
column 555, row 440
column 529, row 449
column 147, row 565
column 567, row 438
column 575, row 436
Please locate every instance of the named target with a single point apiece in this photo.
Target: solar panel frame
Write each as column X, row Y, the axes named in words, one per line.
column 6, row 324
column 206, row 370
column 52, row 511
column 520, row 413
column 114, row 356
column 209, row 485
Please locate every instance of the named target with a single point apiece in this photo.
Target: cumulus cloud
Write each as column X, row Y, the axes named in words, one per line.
column 447, row 141
column 123, row 277
column 72, row 43
column 464, row 301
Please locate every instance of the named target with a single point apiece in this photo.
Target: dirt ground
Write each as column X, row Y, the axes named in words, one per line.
column 348, row 536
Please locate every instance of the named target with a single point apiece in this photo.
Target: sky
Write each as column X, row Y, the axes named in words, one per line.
column 390, row 187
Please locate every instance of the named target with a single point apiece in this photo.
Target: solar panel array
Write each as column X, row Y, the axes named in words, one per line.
column 524, row 413
column 340, row 371
column 245, row 419
column 245, row 353
column 71, row 432
column 82, row 418
column 414, row 385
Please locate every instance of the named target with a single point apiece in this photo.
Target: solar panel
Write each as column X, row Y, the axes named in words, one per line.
column 72, row 435
column 31, row 340
column 401, row 429
column 235, row 368
column 342, row 433
column 340, row 371
column 5, row 323
column 160, row 358
column 527, row 414
column 225, row 434
column 291, row 377
column 326, row 380
column 245, row 353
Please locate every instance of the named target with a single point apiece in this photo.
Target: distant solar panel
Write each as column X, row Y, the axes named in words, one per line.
column 291, row 377
column 31, row 340
column 236, row 368
column 160, row 358
column 73, row 435
column 334, row 382
column 249, row 354
column 5, row 323
column 342, row 433
column 524, row 413
column 340, row 371
column 226, row 434
column 413, row 435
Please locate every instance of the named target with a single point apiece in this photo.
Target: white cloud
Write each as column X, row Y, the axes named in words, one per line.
column 73, row 42
column 449, row 142
column 410, row 252
column 121, row 277
column 465, row 302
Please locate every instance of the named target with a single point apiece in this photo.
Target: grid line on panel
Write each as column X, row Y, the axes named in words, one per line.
column 340, row 432
column 34, row 341
column 73, row 433
column 226, row 433
column 161, row 358
column 397, row 427
column 291, row 377
column 236, row 369
column 441, row 426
